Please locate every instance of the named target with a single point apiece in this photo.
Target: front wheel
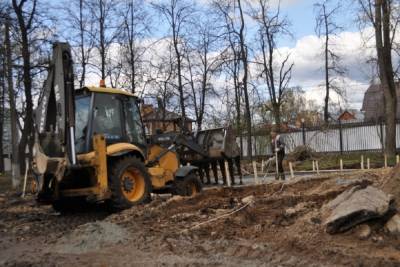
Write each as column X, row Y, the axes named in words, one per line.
column 129, row 183
column 190, row 185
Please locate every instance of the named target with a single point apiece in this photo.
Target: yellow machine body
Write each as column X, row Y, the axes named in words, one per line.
column 161, row 174
column 166, row 167
column 91, row 143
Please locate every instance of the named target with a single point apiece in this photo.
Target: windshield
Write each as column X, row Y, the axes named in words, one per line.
column 107, row 117
column 82, row 105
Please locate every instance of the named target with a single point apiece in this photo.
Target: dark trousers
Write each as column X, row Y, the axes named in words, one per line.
column 281, row 171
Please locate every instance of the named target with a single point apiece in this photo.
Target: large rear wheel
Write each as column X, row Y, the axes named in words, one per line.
column 129, row 182
column 190, row 185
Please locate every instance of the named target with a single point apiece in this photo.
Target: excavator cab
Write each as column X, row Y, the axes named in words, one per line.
column 90, row 144
column 110, row 112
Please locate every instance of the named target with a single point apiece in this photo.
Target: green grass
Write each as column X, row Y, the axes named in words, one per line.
column 350, row 161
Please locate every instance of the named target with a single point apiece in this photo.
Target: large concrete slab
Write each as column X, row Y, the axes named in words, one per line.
column 354, row 206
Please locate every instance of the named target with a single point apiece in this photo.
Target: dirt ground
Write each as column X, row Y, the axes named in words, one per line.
column 274, row 224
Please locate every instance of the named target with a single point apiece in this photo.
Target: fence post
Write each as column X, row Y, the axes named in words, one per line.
column 340, row 136
column 386, row 161
column 228, row 175
column 304, row 131
column 381, row 129
column 291, row 170
column 255, row 172
column 262, row 166
column 362, row 162
column 341, row 165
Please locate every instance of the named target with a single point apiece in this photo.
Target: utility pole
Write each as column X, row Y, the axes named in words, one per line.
column 13, row 113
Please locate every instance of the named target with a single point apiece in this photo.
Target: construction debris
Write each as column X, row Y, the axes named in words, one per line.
column 267, row 224
column 248, row 200
column 391, row 183
column 355, row 206
column 393, row 225
column 364, row 231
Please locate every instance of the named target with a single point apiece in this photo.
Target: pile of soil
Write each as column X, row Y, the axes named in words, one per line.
column 278, row 223
column 91, row 237
column 391, row 183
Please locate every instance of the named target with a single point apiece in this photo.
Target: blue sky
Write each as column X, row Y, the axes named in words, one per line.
column 306, row 51
column 301, row 14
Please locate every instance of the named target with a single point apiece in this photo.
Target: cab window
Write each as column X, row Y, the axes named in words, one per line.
column 82, row 105
column 107, row 116
column 133, row 122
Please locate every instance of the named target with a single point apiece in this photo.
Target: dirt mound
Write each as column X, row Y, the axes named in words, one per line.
column 391, row 183
column 277, row 223
column 90, row 237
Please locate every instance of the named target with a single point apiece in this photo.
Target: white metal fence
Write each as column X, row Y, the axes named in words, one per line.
column 335, row 138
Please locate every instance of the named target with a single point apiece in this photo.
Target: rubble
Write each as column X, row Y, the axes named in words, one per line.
column 298, row 208
column 364, row 231
column 249, row 200
column 393, row 225
column 391, row 183
column 354, row 206
column 284, row 226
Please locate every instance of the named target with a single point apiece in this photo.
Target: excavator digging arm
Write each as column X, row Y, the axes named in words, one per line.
column 55, row 115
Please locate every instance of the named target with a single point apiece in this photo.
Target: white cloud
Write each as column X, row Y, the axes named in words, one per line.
column 354, row 49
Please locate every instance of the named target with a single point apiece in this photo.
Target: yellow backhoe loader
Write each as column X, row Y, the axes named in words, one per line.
column 90, row 144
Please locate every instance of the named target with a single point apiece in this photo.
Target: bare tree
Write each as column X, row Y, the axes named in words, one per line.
column 178, row 14
column 162, row 82
column 244, row 58
column 107, row 29
column 202, row 64
column 276, row 74
column 81, row 25
column 135, row 29
column 326, row 27
column 11, row 101
column 26, row 12
column 2, row 103
column 234, row 17
column 379, row 14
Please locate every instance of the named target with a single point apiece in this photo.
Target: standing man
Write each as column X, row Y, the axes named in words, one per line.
column 278, row 148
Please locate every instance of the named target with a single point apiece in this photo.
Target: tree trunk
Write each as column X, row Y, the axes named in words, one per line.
column 384, row 49
column 2, row 108
column 132, row 50
column 13, row 114
column 327, row 84
column 27, row 132
column 82, row 45
column 243, row 54
column 180, row 85
column 277, row 116
column 102, row 40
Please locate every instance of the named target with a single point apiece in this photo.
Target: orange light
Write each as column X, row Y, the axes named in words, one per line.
column 102, row 83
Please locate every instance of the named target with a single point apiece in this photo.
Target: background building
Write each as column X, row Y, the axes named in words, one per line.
column 372, row 106
column 167, row 121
